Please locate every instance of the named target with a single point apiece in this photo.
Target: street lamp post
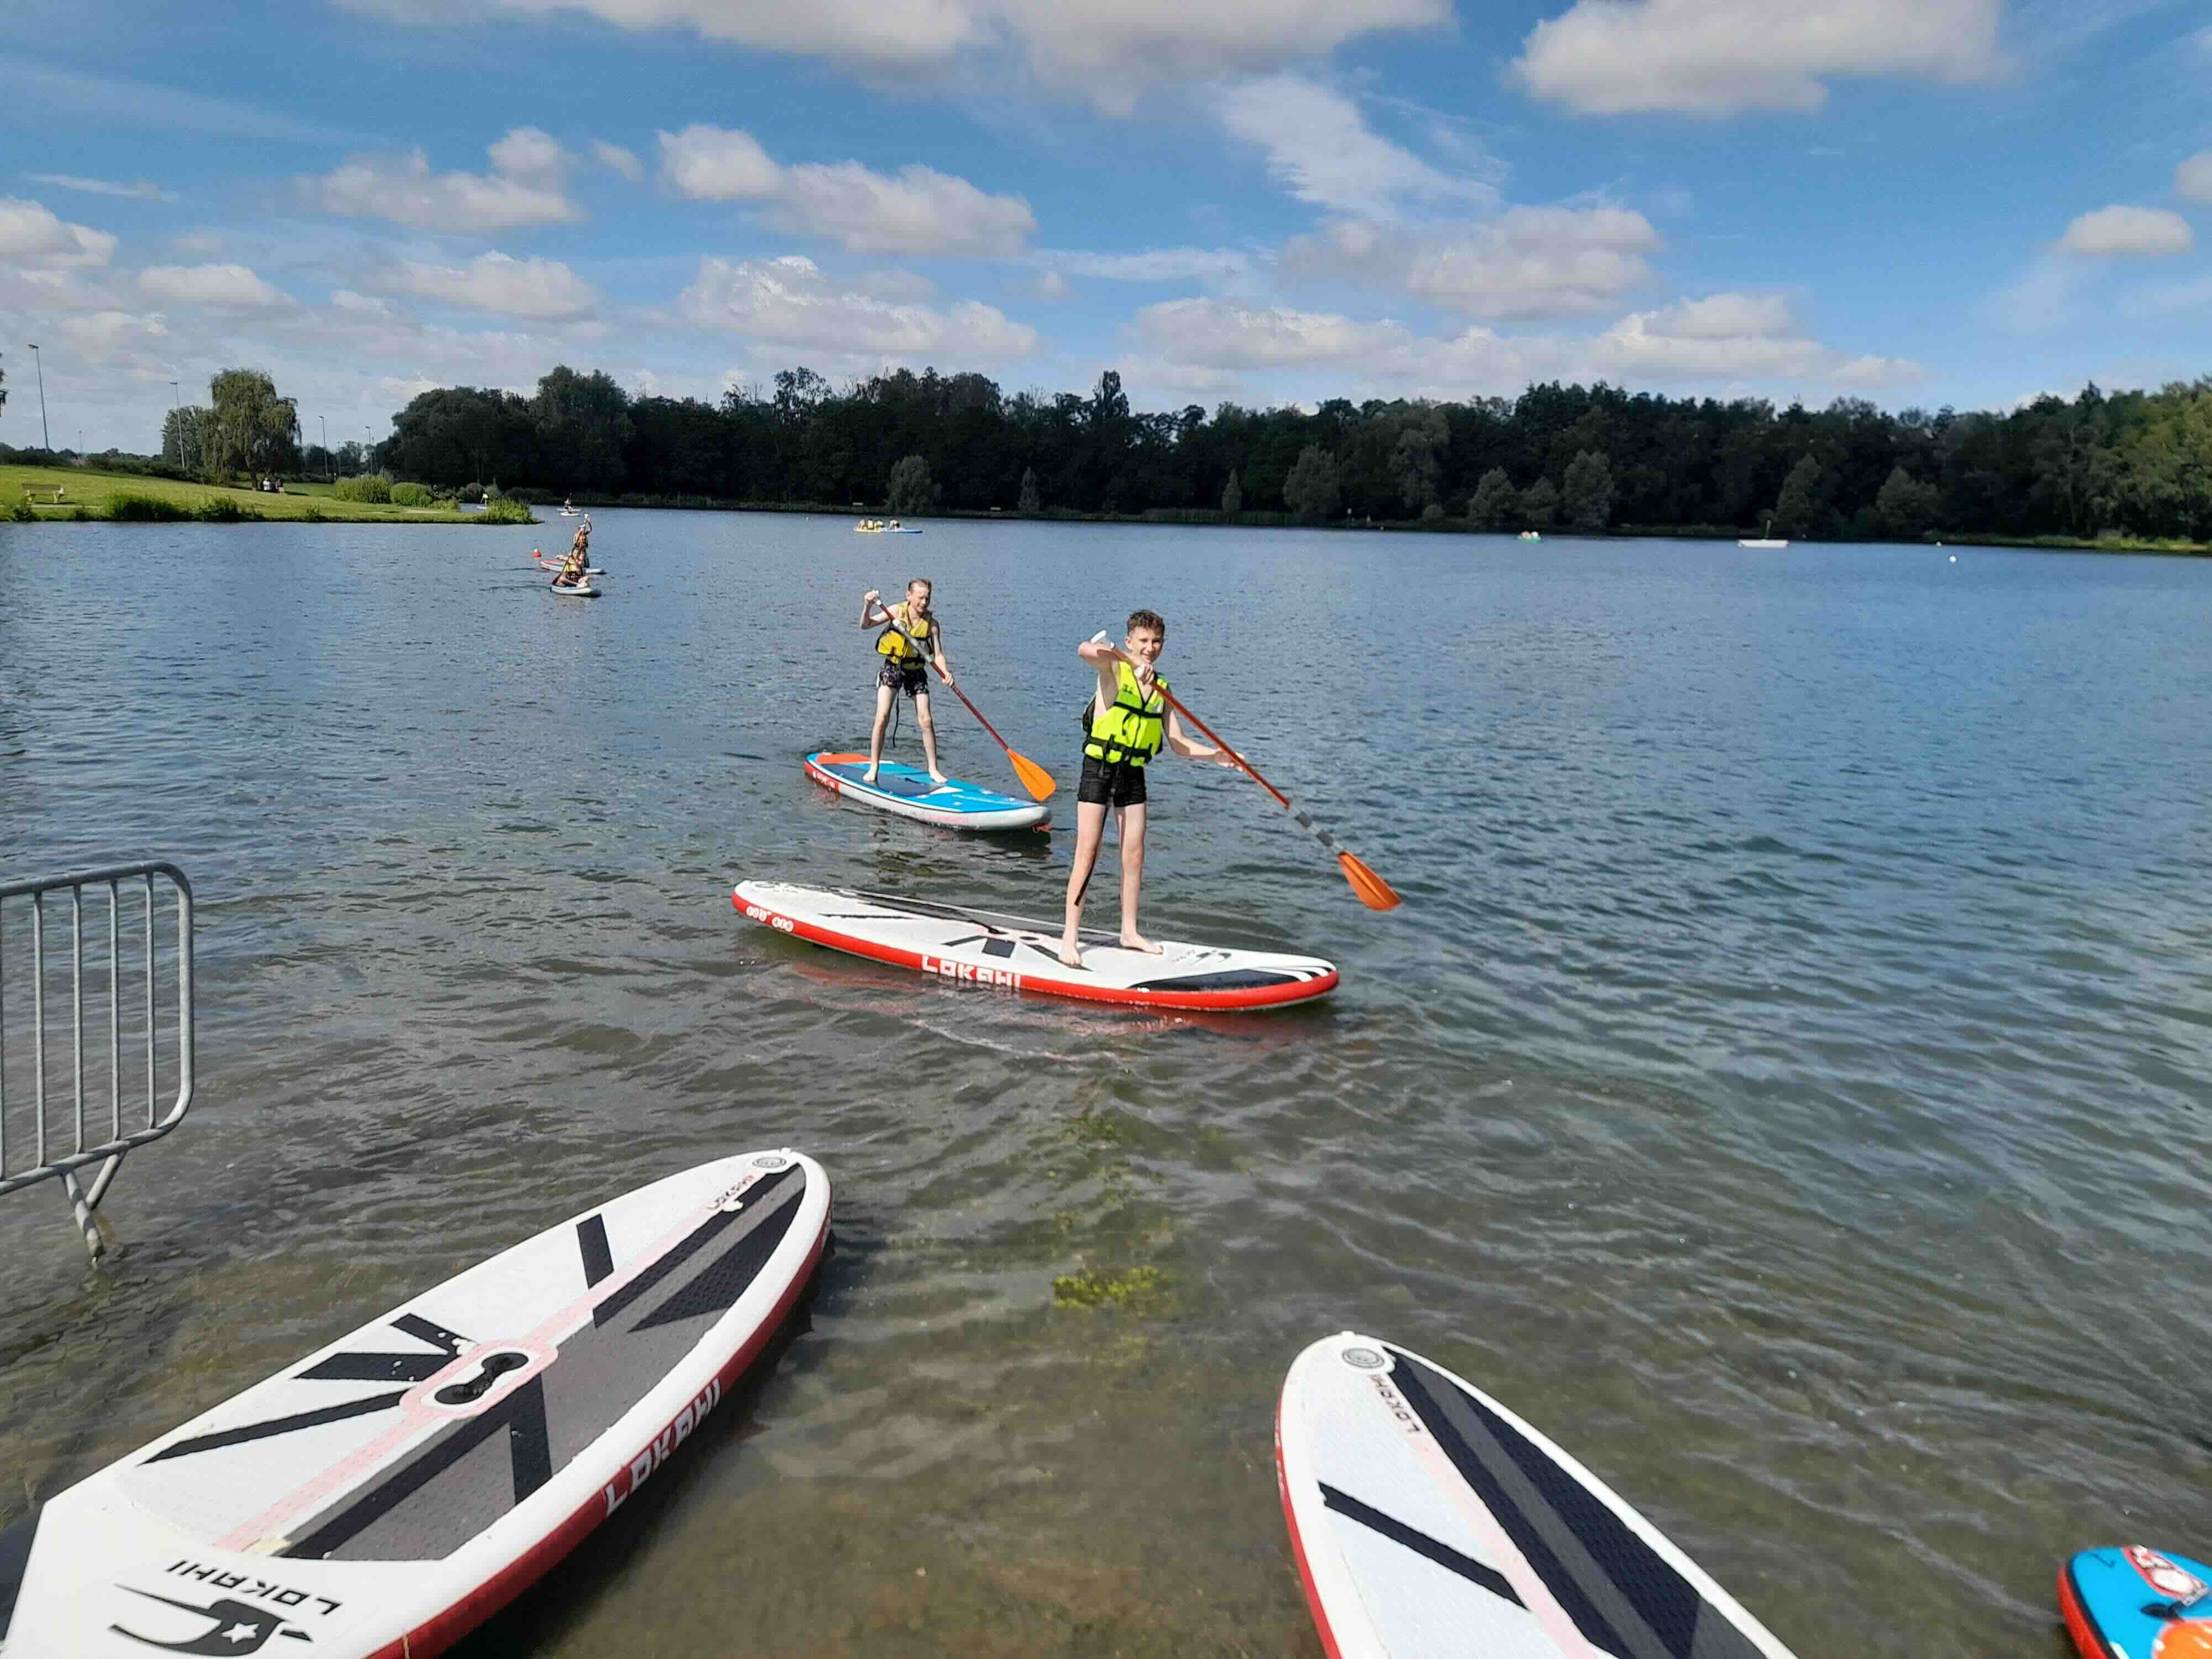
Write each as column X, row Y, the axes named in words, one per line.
column 45, row 431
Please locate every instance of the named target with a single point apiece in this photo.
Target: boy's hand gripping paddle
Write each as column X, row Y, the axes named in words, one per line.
column 1372, row 890
column 1034, row 779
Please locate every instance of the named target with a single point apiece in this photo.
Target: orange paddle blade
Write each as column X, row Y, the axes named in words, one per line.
column 1373, row 891
column 1034, row 779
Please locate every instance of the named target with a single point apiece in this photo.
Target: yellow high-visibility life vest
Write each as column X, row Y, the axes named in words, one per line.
column 898, row 649
column 1132, row 726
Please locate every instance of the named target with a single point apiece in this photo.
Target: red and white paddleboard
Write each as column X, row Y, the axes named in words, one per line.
column 384, row 1495
column 979, row 947
column 1430, row 1523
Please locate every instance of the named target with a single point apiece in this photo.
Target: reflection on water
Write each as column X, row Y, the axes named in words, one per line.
column 1784, row 1082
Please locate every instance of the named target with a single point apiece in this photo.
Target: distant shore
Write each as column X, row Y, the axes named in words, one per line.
column 74, row 494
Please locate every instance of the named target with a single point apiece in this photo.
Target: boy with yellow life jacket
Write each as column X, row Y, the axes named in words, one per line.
column 903, row 669
column 1125, row 723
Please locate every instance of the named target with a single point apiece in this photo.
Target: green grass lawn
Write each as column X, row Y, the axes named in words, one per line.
column 92, row 493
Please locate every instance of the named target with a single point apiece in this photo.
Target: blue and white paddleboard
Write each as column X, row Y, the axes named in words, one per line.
column 907, row 791
column 2130, row 1603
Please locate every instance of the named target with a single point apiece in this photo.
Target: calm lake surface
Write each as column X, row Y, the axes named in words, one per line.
column 1784, row 1084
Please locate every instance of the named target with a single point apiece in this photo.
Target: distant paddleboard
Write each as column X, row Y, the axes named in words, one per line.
column 1428, row 1520
column 979, row 947
column 2130, row 1603
column 587, row 591
column 907, row 791
column 389, row 1493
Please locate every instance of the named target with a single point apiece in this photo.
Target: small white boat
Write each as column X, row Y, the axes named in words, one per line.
column 1765, row 539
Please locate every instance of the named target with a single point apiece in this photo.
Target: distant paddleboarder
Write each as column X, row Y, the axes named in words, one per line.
column 1125, row 724
column 904, row 669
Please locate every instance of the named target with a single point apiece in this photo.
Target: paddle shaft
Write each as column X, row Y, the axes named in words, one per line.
column 1251, row 771
column 927, row 655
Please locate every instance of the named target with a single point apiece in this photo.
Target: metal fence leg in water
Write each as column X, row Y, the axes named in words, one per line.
column 137, row 974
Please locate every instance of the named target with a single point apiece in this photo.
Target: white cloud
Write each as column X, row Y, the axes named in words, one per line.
column 220, row 288
column 531, row 155
column 1221, row 334
column 1163, row 265
column 622, row 160
column 405, row 191
column 540, row 290
column 2192, row 180
column 1320, row 149
column 2041, row 298
column 919, row 211
column 197, row 244
column 1054, row 286
column 1111, row 51
column 33, row 235
column 142, row 190
column 2123, row 230
column 1731, row 338
column 1718, row 57
column 1530, row 262
column 791, row 303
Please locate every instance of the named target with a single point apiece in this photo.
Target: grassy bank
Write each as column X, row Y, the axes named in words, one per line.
column 89, row 494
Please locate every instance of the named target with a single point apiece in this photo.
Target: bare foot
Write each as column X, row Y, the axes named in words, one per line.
column 937, row 778
column 868, row 776
column 1071, row 956
column 1138, row 942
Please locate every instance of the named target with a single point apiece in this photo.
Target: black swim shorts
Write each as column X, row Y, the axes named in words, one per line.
column 913, row 681
column 1110, row 783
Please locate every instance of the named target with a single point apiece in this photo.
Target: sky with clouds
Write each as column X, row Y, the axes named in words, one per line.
column 1270, row 201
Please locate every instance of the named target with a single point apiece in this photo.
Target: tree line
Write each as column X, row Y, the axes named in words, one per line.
column 2137, row 463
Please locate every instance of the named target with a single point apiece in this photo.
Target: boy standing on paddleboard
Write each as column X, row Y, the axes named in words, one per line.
column 906, row 625
column 1124, row 726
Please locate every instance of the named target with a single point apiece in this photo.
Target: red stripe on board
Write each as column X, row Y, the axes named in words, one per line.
column 1298, row 1546
column 1262, row 996
column 439, row 1632
column 2086, row 1635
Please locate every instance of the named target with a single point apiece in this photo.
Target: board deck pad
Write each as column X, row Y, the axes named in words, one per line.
column 403, row 1483
column 907, row 791
column 1009, row 953
column 2130, row 1602
column 1428, row 1520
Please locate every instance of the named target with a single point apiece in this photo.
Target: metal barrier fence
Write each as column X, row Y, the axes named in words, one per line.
column 49, row 1132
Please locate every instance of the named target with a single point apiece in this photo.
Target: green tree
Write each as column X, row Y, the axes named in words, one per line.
column 1232, row 496
column 1031, row 501
column 1539, row 503
column 184, row 436
column 909, row 489
column 1494, row 502
column 1312, row 490
column 583, row 428
column 1905, row 508
column 1798, row 508
column 1589, row 491
column 249, row 428
column 1416, row 458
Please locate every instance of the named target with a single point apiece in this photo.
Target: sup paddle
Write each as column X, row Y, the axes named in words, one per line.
column 1034, row 779
column 1371, row 889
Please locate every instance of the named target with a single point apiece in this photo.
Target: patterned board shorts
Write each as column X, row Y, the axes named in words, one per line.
column 914, row 679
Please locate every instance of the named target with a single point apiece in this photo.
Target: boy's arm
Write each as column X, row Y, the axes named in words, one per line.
column 937, row 641
column 868, row 603
column 1189, row 748
column 1102, row 654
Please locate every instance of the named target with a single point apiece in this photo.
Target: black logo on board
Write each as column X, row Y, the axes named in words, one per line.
column 235, row 1627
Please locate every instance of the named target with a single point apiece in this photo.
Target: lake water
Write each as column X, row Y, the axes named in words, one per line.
column 1784, row 1083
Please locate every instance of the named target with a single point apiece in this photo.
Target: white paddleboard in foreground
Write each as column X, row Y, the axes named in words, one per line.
column 387, row 1494
column 980, row 947
column 1429, row 1521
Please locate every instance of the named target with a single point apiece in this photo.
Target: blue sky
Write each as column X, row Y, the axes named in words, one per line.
column 1270, row 201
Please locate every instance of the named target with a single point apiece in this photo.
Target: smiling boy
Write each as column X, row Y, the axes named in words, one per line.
column 1125, row 723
